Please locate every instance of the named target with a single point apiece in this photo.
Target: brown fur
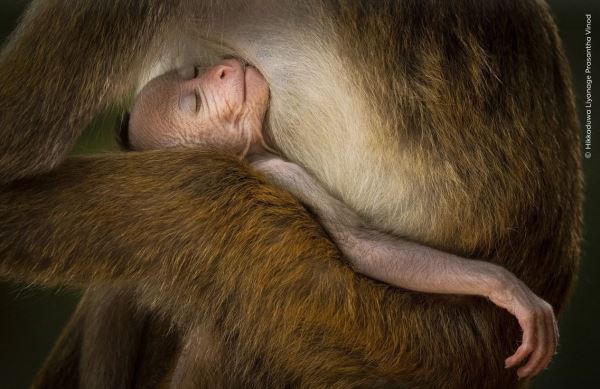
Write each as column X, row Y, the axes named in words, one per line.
column 470, row 144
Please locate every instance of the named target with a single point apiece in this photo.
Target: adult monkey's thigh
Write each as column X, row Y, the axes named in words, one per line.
column 485, row 187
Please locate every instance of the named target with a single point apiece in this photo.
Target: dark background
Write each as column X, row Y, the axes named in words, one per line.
column 31, row 318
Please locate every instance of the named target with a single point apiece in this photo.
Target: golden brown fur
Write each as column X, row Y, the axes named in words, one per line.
column 451, row 123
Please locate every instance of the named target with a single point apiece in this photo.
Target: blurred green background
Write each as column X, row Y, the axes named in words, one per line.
column 31, row 318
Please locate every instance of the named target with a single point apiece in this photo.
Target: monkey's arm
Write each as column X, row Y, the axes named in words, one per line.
column 414, row 266
column 65, row 62
column 123, row 216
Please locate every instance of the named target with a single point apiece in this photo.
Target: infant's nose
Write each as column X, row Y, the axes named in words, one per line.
column 228, row 70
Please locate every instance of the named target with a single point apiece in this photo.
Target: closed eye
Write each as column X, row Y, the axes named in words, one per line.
column 196, row 92
column 198, row 100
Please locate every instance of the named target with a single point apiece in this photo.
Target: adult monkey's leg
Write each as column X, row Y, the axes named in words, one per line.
column 99, row 346
column 113, row 330
column 61, row 369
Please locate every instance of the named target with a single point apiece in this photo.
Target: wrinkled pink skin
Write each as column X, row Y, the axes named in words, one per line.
column 224, row 107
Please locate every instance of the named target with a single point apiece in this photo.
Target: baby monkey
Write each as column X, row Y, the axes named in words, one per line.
column 224, row 106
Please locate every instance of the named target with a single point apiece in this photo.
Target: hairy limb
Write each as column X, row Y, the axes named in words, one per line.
column 413, row 266
column 65, row 63
column 99, row 345
column 105, row 199
column 112, row 331
column 61, row 368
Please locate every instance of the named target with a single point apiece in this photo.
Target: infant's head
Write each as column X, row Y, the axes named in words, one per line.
column 223, row 106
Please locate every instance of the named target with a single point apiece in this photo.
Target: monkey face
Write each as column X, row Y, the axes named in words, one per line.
column 223, row 106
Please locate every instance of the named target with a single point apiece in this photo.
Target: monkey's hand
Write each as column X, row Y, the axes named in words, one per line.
column 536, row 318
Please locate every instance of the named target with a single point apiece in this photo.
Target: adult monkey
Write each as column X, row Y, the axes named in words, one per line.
column 464, row 152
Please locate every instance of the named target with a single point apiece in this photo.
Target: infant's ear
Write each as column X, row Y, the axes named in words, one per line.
column 122, row 132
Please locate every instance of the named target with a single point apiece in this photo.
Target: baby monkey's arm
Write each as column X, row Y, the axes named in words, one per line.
column 413, row 266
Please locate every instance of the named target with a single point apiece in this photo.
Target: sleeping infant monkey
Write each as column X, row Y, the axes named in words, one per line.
column 224, row 106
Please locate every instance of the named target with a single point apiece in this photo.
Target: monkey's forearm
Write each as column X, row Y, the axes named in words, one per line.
column 407, row 264
column 417, row 267
column 66, row 61
column 400, row 262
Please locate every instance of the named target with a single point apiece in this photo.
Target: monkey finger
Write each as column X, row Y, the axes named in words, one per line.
column 527, row 345
column 519, row 356
column 551, row 331
column 535, row 359
column 522, row 352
